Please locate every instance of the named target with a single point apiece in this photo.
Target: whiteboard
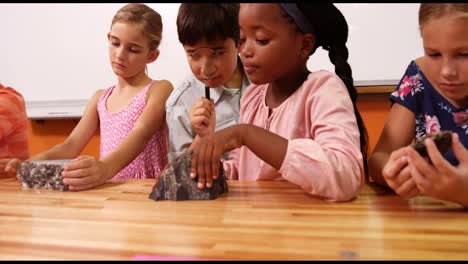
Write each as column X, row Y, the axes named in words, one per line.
column 382, row 40
column 56, row 55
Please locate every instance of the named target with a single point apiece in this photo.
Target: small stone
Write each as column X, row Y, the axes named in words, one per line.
column 175, row 183
column 42, row 174
column 346, row 254
column 442, row 139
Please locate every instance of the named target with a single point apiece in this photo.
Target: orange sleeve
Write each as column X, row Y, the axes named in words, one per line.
column 13, row 121
column 12, row 111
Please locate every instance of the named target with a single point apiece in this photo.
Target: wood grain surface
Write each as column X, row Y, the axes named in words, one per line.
column 254, row 220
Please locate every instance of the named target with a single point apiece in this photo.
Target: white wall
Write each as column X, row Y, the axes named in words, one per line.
column 56, row 54
column 382, row 40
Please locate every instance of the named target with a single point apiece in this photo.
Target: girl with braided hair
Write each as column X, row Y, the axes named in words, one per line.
column 294, row 125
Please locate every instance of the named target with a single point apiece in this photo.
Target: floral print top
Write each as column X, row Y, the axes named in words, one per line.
column 433, row 112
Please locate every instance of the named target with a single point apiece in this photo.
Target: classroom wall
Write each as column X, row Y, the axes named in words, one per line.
column 374, row 109
column 58, row 29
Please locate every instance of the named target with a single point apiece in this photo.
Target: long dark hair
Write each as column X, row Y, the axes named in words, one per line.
column 331, row 33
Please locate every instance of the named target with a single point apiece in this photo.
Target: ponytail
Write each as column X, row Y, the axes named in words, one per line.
column 331, row 31
column 339, row 57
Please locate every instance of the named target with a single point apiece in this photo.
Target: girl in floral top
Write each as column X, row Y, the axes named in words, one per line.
column 432, row 96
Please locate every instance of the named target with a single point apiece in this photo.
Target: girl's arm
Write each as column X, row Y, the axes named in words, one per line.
column 320, row 167
column 79, row 137
column 268, row 146
column 87, row 173
column 397, row 133
column 441, row 179
column 326, row 163
column 75, row 142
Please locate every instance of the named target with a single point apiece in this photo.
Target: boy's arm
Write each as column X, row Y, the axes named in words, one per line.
column 180, row 134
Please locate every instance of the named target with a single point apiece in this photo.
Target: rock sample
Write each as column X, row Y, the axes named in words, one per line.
column 175, row 183
column 42, row 174
column 442, row 139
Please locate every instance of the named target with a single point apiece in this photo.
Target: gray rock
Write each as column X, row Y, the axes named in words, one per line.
column 175, row 183
column 42, row 174
column 442, row 139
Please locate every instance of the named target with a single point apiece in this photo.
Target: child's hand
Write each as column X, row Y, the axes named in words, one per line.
column 397, row 174
column 85, row 172
column 207, row 154
column 441, row 179
column 203, row 117
column 9, row 167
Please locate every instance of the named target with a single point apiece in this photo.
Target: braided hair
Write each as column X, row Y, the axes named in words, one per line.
column 331, row 33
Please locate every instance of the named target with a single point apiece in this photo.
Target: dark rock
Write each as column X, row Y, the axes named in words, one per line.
column 443, row 141
column 175, row 183
column 42, row 174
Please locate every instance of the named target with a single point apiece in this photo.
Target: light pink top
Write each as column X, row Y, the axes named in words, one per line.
column 323, row 155
column 115, row 126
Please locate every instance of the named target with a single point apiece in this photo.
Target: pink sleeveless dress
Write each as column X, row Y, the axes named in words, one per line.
column 115, row 126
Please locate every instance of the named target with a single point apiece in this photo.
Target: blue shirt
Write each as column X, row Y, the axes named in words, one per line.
column 433, row 112
column 181, row 100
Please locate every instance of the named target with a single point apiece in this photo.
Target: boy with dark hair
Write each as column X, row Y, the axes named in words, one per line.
column 211, row 47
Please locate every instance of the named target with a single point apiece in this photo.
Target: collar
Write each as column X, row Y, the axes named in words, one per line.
column 217, row 92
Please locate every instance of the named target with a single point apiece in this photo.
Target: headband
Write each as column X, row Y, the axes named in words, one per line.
column 301, row 21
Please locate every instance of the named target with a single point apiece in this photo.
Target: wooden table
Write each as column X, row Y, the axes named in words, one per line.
column 255, row 220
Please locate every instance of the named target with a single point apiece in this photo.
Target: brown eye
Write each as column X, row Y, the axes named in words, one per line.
column 218, row 53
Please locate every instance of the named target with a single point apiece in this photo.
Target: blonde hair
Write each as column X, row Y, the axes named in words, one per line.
column 428, row 11
column 147, row 17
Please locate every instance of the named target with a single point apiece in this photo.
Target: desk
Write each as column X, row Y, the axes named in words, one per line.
column 255, row 220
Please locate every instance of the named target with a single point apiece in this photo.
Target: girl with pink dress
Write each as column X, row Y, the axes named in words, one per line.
column 130, row 114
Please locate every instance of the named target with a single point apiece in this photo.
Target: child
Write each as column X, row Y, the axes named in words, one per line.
column 296, row 125
column 130, row 114
column 211, row 47
column 432, row 96
column 13, row 127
